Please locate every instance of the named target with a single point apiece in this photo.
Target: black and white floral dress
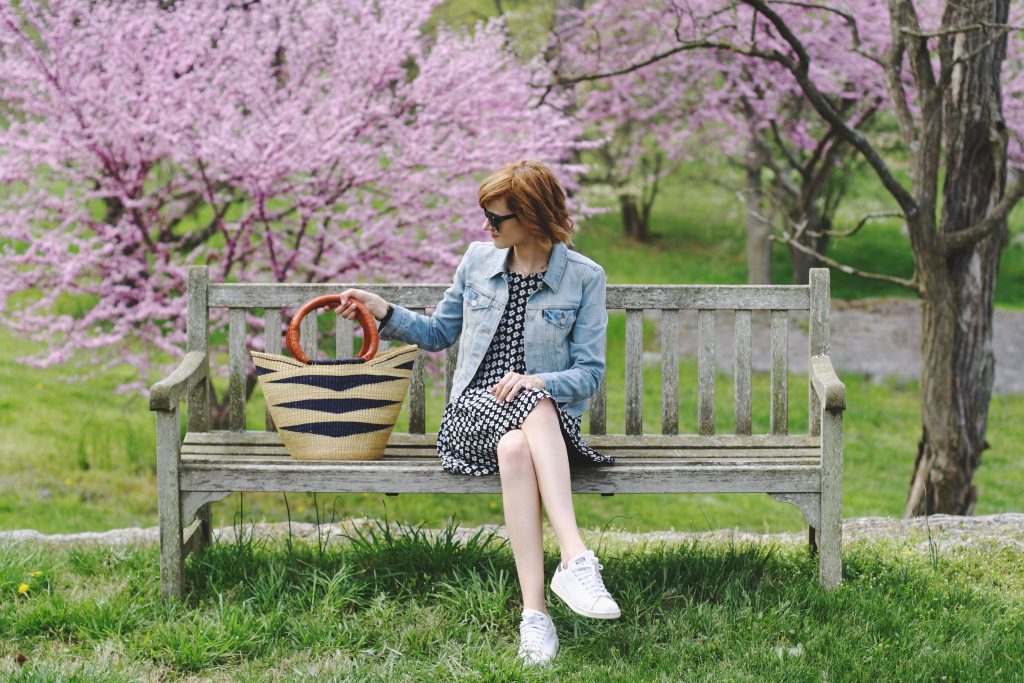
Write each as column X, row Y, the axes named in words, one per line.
column 472, row 424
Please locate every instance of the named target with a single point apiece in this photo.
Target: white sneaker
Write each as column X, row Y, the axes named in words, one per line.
column 581, row 587
column 538, row 641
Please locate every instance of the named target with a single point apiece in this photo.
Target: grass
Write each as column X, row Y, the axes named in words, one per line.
column 383, row 605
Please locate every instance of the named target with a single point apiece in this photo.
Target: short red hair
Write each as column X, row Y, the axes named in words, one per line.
column 535, row 196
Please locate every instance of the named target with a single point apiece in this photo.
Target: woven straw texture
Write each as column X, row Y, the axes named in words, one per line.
column 335, row 412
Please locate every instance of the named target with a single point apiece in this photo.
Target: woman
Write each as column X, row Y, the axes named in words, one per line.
column 532, row 319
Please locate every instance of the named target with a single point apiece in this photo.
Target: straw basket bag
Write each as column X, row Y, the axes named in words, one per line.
column 335, row 409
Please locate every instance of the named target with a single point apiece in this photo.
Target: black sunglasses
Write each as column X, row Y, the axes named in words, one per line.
column 495, row 220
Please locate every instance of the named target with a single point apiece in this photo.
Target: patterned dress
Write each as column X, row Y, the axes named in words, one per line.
column 472, row 424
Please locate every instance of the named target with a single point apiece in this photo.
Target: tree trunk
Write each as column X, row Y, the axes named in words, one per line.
column 759, row 247
column 802, row 262
column 632, row 222
column 958, row 365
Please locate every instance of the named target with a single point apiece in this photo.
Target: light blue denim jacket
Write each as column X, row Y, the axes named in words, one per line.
column 566, row 322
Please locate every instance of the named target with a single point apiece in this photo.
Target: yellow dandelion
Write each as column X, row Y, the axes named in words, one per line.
column 67, row 482
column 36, row 573
column 39, row 385
column 23, row 588
column 494, row 506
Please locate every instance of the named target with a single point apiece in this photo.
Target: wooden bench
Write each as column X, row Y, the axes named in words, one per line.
column 802, row 469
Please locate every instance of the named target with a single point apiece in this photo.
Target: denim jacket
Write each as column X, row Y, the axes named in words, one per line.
column 566, row 322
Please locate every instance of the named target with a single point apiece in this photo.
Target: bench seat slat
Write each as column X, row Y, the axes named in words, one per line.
column 599, row 442
column 426, row 477
column 206, row 450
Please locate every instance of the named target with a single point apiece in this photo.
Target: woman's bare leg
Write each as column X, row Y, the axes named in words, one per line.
column 521, row 501
column 551, row 465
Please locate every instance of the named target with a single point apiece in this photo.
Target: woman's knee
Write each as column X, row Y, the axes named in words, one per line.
column 514, row 452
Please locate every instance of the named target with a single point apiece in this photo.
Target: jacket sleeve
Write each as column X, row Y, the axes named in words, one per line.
column 433, row 332
column 586, row 348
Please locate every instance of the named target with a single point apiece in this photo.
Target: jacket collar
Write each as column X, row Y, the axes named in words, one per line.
column 553, row 275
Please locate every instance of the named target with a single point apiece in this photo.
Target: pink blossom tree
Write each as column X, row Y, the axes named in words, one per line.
column 952, row 82
column 284, row 141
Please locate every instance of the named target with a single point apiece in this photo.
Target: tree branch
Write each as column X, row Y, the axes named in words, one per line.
column 953, row 241
column 860, row 224
column 910, row 284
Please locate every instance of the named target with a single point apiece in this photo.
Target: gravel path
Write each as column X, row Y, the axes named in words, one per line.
column 947, row 531
column 874, row 337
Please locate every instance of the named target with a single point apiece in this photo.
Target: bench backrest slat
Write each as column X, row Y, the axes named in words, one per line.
column 272, row 335
column 236, row 369
column 451, row 357
column 705, row 371
column 817, row 338
column 671, row 300
column 741, row 372
column 343, row 337
column 670, row 371
column 417, row 398
column 634, row 371
column 780, row 372
column 598, row 416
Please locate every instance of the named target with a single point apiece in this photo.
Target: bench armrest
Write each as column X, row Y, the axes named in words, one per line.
column 831, row 392
column 165, row 394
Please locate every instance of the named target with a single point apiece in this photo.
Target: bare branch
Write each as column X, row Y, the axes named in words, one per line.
column 980, row 26
column 910, row 284
column 860, row 224
column 996, row 218
column 824, row 108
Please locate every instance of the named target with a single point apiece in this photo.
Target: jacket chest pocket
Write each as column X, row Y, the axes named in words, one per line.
column 557, row 323
column 477, row 306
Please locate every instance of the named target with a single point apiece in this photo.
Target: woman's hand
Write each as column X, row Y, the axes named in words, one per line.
column 347, row 309
column 511, row 384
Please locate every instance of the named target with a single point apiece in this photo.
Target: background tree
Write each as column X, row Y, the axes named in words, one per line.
column 945, row 85
column 271, row 141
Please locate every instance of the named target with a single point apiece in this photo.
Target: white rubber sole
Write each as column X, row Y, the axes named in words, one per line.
column 581, row 611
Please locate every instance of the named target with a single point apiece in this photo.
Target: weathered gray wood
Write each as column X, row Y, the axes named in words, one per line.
column 165, row 394
column 308, row 336
column 272, row 336
column 172, row 558
column 343, row 337
column 826, row 385
column 198, row 324
column 192, row 502
column 598, row 404
column 817, row 336
column 645, row 441
column 830, row 540
column 809, row 504
column 236, row 368
column 780, row 372
column 427, row 477
column 705, row 371
column 417, row 393
column 193, row 538
column 686, row 297
column 741, row 373
column 228, row 456
column 670, row 371
column 634, row 371
column 451, row 359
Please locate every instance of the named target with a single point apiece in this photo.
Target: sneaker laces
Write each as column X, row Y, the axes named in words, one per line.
column 532, row 631
column 589, row 574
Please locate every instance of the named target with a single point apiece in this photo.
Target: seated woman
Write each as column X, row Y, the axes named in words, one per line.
column 532, row 320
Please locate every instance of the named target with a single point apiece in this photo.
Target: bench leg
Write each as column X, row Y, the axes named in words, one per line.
column 172, row 560
column 205, row 517
column 830, row 543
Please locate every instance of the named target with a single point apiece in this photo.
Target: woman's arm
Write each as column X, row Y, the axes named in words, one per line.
column 586, row 348
column 433, row 332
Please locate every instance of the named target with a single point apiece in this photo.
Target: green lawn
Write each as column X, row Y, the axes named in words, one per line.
column 387, row 607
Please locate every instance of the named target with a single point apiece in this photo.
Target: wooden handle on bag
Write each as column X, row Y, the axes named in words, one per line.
column 363, row 315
